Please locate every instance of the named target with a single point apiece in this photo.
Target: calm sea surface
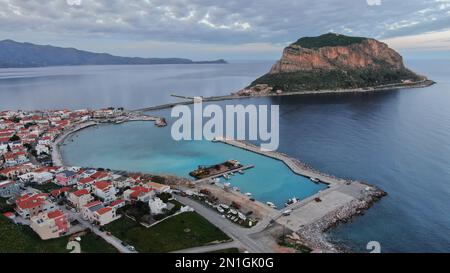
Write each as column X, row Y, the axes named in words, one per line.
column 398, row 140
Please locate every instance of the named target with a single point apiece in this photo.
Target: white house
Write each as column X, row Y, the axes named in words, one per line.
column 80, row 198
column 98, row 214
column 139, row 193
column 156, row 205
column 42, row 177
column 9, row 188
column 160, row 188
column 50, row 225
column 104, row 190
column 42, row 149
column 3, row 147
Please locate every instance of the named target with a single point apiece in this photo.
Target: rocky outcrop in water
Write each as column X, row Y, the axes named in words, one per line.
column 333, row 61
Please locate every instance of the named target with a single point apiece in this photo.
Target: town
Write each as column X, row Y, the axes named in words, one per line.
column 56, row 201
column 45, row 204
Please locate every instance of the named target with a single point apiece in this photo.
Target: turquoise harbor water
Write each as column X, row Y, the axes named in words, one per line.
column 151, row 149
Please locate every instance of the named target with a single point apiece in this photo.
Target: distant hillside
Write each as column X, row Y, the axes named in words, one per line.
column 14, row 55
column 333, row 61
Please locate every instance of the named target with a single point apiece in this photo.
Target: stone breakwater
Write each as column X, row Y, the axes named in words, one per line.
column 313, row 216
column 314, row 235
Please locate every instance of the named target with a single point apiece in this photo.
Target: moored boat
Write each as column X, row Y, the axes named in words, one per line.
column 272, row 205
column 292, row 201
column 315, row 180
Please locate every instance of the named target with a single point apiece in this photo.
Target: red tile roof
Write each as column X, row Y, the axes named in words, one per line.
column 102, row 185
column 86, row 180
column 31, row 201
column 9, row 214
column 99, row 175
column 81, row 192
column 103, row 210
column 91, row 204
column 55, row 214
column 138, row 191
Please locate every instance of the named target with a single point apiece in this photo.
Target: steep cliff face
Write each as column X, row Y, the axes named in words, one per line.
column 368, row 54
column 333, row 61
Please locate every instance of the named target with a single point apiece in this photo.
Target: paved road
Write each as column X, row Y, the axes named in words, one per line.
column 210, row 248
column 239, row 234
column 115, row 242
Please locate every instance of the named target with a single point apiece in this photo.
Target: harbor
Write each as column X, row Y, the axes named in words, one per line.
column 311, row 217
column 270, row 179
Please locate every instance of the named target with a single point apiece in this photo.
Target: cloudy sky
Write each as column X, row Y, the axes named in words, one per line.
column 230, row 29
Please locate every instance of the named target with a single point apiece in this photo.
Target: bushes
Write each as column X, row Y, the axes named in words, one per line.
column 335, row 79
column 329, row 39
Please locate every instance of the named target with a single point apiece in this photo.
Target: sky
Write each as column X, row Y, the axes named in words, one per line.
column 230, row 29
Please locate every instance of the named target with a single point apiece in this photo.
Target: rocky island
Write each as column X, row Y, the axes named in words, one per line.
column 335, row 62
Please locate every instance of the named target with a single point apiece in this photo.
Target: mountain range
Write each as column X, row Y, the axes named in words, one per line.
column 19, row 55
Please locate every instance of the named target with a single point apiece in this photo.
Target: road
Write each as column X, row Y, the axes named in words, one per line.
column 115, row 242
column 210, row 248
column 240, row 235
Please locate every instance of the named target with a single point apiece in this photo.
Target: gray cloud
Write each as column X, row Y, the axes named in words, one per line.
column 228, row 22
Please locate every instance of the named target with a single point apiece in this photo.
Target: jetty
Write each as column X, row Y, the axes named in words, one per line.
column 312, row 217
column 219, row 174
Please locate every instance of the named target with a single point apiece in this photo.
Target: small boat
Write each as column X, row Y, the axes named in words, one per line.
column 315, row 180
column 226, row 176
column 248, row 194
column 236, row 189
column 241, row 171
column 216, row 180
column 292, row 201
column 272, row 205
column 227, row 185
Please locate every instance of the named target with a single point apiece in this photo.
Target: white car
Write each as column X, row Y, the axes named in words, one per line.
column 287, row 212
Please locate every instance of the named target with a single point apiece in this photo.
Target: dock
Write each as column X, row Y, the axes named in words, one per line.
column 217, row 175
column 312, row 217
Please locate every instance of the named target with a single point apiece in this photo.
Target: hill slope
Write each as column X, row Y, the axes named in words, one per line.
column 15, row 54
column 333, row 61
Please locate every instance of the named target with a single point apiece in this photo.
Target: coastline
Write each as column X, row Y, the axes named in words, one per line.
column 311, row 218
column 56, row 144
column 342, row 200
column 420, row 84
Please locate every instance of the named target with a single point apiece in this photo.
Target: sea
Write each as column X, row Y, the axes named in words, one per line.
column 398, row 140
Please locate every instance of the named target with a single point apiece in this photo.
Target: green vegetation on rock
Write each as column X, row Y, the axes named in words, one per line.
column 335, row 79
column 329, row 39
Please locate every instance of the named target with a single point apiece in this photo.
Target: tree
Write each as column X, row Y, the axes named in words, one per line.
column 16, row 119
column 28, row 146
column 14, row 138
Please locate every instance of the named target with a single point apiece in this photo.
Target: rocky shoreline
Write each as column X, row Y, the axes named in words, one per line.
column 264, row 90
column 314, row 235
column 241, row 94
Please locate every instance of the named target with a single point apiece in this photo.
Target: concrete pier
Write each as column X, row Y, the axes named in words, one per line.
column 313, row 216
